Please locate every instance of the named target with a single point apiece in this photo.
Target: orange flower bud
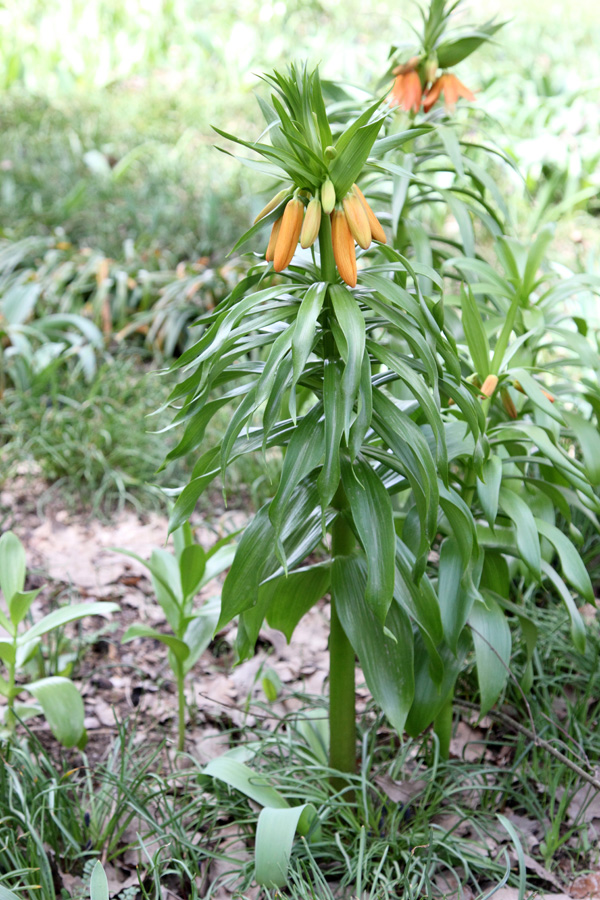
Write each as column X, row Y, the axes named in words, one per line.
column 489, row 385
column 358, row 222
column 343, row 247
column 289, row 233
column 327, row 196
column 272, row 204
column 312, row 223
column 377, row 231
column 270, row 254
column 507, row 403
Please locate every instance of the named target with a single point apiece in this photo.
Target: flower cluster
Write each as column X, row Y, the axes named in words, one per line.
column 416, row 83
column 352, row 221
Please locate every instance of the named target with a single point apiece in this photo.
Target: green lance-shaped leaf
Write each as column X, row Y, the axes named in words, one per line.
column 475, row 334
column 62, row 706
column 535, row 258
column 491, row 637
column 352, row 323
column 455, row 600
column 353, row 148
column 526, row 532
column 179, row 648
column 306, row 323
column 451, row 52
column 461, row 522
column 98, row 883
column 488, row 487
column 192, row 565
column 577, row 624
column 430, row 695
column 385, row 651
column 333, row 404
column 304, row 453
column 5, row 894
column 572, row 565
column 588, row 438
column 198, row 634
column 373, row 519
column 293, row 595
column 407, row 442
column 418, row 387
column 19, row 605
column 12, row 565
column 362, row 422
column 274, row 839
column 255, row 558
column 283, row 600
column 67, row 614
column 536, row 395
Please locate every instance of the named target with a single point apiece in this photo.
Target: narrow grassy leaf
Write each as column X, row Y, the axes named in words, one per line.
column 588, row 438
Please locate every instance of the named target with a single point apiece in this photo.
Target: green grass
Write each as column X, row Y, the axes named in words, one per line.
column 65, row 812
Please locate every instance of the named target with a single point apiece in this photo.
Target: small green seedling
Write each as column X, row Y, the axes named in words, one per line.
column 177, row 578
column 55, row 697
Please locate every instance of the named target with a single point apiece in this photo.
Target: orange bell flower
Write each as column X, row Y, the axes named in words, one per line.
column 407, row 90
column 452, row 88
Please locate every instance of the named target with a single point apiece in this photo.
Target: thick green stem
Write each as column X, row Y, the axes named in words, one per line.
column 342, row 714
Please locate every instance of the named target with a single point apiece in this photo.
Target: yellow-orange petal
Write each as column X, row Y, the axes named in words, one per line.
column 270, row 254
column 343, row 247
column 357, row 219
column 289, row 233
column 489, row 385
column 377, row 232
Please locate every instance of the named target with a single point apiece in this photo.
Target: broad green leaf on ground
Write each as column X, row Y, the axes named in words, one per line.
column 241, row 777
column 275, row 834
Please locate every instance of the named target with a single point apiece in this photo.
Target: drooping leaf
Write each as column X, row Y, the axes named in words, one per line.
column 385, row 650
column 372, row 515
column 275, row 834
column 492, row 640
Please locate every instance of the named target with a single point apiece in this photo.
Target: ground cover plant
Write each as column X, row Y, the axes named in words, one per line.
column 450, row 370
